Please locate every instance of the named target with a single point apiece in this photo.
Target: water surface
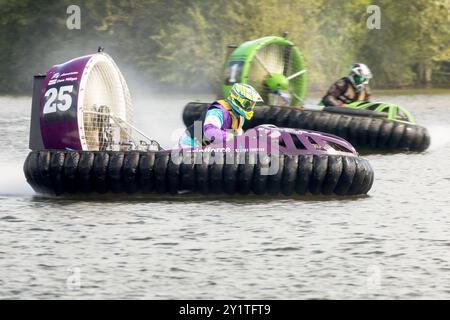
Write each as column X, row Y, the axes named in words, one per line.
column 393, row 243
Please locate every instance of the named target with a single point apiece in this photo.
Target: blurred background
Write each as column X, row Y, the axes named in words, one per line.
column 182, row 44
column 391, row 244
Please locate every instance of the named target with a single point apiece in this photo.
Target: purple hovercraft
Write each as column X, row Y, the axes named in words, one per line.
column 83, row 141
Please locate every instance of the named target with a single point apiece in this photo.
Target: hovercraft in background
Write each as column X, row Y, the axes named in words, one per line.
column 275, row 67
column 83, row 141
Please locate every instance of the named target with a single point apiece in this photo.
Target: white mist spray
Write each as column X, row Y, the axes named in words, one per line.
column 12, row 180
column 440, row 137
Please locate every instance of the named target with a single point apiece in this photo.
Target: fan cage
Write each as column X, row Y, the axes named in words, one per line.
column 279, row 56
column 106, row 112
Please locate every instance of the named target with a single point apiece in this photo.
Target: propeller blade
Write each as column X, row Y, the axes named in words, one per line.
column 295, row 75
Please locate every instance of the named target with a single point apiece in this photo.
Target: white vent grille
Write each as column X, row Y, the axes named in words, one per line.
column 104, row 97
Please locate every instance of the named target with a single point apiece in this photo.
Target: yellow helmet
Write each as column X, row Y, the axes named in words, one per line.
column 243, row 98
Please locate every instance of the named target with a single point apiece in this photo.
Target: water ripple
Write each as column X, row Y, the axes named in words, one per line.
column 391, row 244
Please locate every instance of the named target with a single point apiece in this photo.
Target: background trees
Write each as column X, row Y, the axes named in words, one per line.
column 183, row 43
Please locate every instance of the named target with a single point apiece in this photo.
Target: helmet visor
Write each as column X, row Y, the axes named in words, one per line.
column 248, row 105
column 360, row 79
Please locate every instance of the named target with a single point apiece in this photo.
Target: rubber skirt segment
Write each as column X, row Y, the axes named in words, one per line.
column 187, row 173
column 215, row 171
column 260, row 178
column 333, row 174
column 289, row 175
column 100, row 172
column 115, row 173
column 43, row 175
column 61, row 172
column 57, row 171
column 70, row 172
column 85, row 176
column 161, row 165
column 146, row 172
column 245, row 174
column 202, row 174
column 130, row 172
column 304, row 173
column 361, row 131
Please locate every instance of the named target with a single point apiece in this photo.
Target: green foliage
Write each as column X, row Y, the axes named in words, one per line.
column 413, row 42
column 183, row 43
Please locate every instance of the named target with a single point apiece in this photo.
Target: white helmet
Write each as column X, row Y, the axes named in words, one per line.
column 360, row 74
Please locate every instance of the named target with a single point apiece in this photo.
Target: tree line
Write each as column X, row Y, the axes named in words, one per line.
column 183, row 44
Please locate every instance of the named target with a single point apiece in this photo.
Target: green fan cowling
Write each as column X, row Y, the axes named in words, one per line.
column 239, row 63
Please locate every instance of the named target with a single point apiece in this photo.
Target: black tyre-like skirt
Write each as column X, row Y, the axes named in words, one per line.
column 364, row 132
column 69, row 172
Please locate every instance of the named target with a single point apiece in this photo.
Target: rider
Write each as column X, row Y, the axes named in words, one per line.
column 354, row 87
column 224, row 118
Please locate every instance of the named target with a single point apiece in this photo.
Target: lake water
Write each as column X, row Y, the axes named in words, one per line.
column 393, row 243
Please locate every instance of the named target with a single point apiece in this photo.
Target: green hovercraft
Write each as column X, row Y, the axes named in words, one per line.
column 276, row 68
